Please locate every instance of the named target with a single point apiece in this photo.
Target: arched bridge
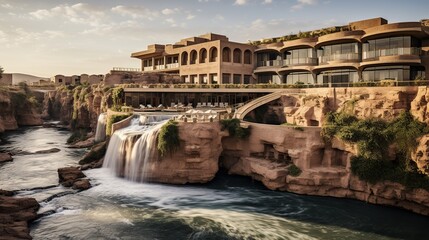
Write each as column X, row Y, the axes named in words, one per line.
column 241, row 112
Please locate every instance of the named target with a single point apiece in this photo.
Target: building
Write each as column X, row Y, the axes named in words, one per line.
column 370, row 50
column 365, row 51
column 206, row 59
column 77, row 79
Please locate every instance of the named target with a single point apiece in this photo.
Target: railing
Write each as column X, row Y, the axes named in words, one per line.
column 299, row 61
column 159, row 67
column 121, row 69
column 379, row 83
column 270, row 63
column 391, row 52
column 150, row 68
column 172, row 65
column 340, row 57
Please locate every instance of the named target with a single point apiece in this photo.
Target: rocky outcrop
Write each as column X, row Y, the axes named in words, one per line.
column 15, row 215
column 78, row 106
column 421, row 155
column 308, row 106
column 270, row 151
column 195, row 161
column 17, row 109
column 73, row 177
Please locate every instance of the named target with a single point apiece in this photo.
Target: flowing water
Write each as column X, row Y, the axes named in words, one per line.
column 227, row 208
column 100, row 133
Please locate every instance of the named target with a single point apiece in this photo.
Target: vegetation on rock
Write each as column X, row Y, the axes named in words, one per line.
column 373, row 138
column 77, row 135
column 294, row 170
column 114, row 119
column 117, row 97
column 234, row 128
column 168, row 138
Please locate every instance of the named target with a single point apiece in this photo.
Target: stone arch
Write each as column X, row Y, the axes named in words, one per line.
column 193, row 57
column 226, row 54
column 213, row 54
column 247, row 57
column 203, row 55
column 184, row 58
column 236, row 55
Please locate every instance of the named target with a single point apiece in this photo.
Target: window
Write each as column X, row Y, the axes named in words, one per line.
column 213, row 54
column 342, row 52
column 247, row 57
column 398, row 73
column 237, row 79
column 246, row 79
column 403, row 45
column 193, row 57
column 338, row 78
column 237, row 56
column 301, row 77
column 203, row 55
column 226, row 55
column 226, row 78
column 184, row 58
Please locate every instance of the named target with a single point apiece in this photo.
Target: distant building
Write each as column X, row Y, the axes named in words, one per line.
column 77, row 79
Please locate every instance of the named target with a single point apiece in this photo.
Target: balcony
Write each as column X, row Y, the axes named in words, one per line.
column 299, row 61
column 390, row 52
column 159, row 67
column 341, row 57
column 172, row 65
column 270, row 63
column 149, row 68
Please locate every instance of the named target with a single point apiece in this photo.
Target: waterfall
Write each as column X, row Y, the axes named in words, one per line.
column 100, row 132
column 131, row 148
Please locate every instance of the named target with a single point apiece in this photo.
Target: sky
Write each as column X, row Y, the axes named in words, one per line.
column 49, row 37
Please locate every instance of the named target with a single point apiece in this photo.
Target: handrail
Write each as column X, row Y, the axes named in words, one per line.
column 121, row 69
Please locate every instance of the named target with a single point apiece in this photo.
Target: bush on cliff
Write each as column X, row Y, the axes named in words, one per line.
column 168, row 138
column 294, row 170
column 114, row 119
column 373, row 138
column 78, row 135
column 234, row 129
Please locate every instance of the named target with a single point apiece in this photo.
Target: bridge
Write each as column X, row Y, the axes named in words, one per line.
column 242, row 111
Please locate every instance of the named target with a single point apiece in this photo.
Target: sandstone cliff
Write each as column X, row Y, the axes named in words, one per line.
column 77, row 107
column 270, row 150
column 195, row 161
column 19, row 107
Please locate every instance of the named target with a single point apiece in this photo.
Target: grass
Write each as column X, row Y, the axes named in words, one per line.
column 168, row 138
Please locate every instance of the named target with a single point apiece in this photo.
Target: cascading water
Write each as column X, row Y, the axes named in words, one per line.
column 100, row 132
column 131, row 148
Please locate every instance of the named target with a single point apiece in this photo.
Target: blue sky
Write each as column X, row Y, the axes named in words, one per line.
column 48, row 37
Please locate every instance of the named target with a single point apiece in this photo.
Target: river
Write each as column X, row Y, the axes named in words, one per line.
column 230, row 207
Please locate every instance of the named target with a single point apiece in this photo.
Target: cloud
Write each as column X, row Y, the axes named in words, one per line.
column 6, row 5
column 78, row 13
column 135, row 12
column 190, row 17
column 240, row 2
column 267, row 2
column 219, row 17
column 169, row 11
column 302, row 3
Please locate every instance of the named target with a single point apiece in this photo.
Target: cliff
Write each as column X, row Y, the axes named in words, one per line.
column 19, row 107
column 195, row 161
column 77, row 107
column 325, row 167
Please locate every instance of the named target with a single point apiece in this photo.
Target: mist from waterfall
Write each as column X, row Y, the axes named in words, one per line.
column 131, row 148
column 100, row 132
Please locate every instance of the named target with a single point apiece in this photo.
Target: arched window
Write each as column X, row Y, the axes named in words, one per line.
column 236, row 56
column 193, row 57
column 247, row 57
column 203, row 55
column 226, row 55
column 213, row 54
column 184, row 58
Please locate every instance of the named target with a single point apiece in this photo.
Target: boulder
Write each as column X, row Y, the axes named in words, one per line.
column 5, row 157
column 68, row 175
column 81, row 184
column 421, row 154
column 15, row 214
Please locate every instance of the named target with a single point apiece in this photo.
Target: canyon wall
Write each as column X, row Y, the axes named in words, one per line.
column 77, row 107
column 18, row 107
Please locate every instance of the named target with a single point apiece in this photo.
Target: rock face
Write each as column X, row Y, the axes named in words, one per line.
column 82, row 104
column 17, row 110
column 15, row 214
column 73, row 177
column 421, row 155
column 5, row 157
column 196, row 160
column 307, row 107
column 270, row 150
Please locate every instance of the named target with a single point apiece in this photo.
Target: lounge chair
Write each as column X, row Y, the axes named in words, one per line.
column 142, row 106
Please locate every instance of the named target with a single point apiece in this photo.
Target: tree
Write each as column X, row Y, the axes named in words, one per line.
column 1, row 72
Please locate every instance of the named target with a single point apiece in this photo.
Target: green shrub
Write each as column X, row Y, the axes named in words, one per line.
column 114, row 119
column 234, row 129
column 294, row 170
column 373, row 138
column 168, row 138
